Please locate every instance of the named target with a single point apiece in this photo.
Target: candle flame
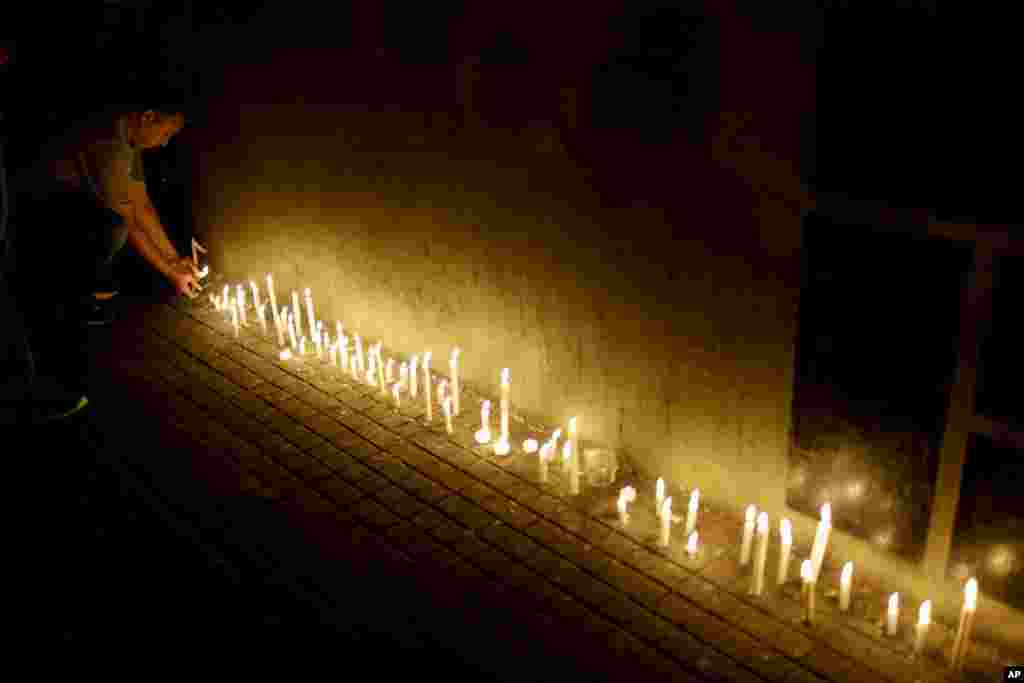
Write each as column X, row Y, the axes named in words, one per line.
column 504, row 376
column 762, row 523
column 659, row 488
column 502, row 447
column 786, row 531
column 894, row 602
column 530, row 446
column 847, row 574
column 806, row 571
column 971, row 594
column 482, row 436
column 751, row 513
column 426, row 359
column 826, row 513
column 924, row 614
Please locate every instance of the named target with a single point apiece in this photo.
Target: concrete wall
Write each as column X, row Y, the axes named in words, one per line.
column 650, row 290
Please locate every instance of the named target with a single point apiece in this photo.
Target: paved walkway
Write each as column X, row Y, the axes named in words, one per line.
column 328, row 524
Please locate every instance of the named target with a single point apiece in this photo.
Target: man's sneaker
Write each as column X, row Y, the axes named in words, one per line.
column 51, row 411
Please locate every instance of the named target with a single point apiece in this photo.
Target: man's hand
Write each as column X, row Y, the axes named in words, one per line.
column 184, row 279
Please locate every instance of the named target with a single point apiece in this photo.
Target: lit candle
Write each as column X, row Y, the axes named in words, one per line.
column 261, row 312
column 396, row 392
column 626, row 496
column 924, row 620
column 389, row 371
column 807, row 590
column 574, row 458
column 255, row 294
column 446, row 406
column 357, row 362
column 291, row 331
column 414, row 370
column 371, row 370
column 483, row 435
column 453, row 364
column 761, row 555
column 666, row 522
column 821, row 539
column 505, row 390
column 197, row 247
column 234, row 318
column 691, row 545
column 748, row 535
column 691, row 512
column 403, row 373
column 344, row 353
column 380, row 369
column 542, row 462
column 892, row 615
column 442, row 390
column 845, row 584
column 786, row 534
column 309, row 311
column 297, row 312
column 963, row 632
column 317, row 339
column 340, row 331
column 427, row 389
column 240, row 300
column 302, row 345
column 334, row 354
column 273, row 305
column 659, row 494
column 226, row 296
column 502, row 445
column 567, row 457
column 530, row 446
column 280, row 317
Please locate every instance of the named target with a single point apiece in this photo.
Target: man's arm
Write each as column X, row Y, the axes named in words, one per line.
column 148, row 218
column 140, row 240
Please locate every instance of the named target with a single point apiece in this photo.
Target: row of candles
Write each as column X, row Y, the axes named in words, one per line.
column 371, row 366
column 756, row 526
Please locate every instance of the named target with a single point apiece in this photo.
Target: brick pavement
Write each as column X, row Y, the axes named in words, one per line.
column 510, row 569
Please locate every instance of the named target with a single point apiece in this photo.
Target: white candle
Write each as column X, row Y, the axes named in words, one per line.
column 760, row 555
column 691, row 512
column 924, row 620
column 691, row 545
column 442, row 390
column 282, row 324
column 318, row 341
column 786, row 538
column 380, row 370
column 542, row 462
column 446, row 406
column 240, row 300
column 748, row 535
column 666, row 522
column 807, row 590
column 505, row 390
column 302, row 345
column 403, row 373
column 845, row 585
column 626, row 496
column 574, row 458
column 502, row 445
column 821, row 539
column 195, row 257
column 453, row 364
column 226, row 296
column 892, row 615
column 309, row 311
column 255, row 294
column 483, row 435
column 567, row 457
column 297, row 312
column 234, row 318
column 291, row 331
column 389, row 371
column 261, row 312
column 414, row 370
column 530, row 446
column 340, row 331
column 659, row 494
column 334, row 354
column 427, row 387
column 357, row 362
column 344, row 353
column 963, row 632
column 273, row 305
column 371, row 369
column 396, row 391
